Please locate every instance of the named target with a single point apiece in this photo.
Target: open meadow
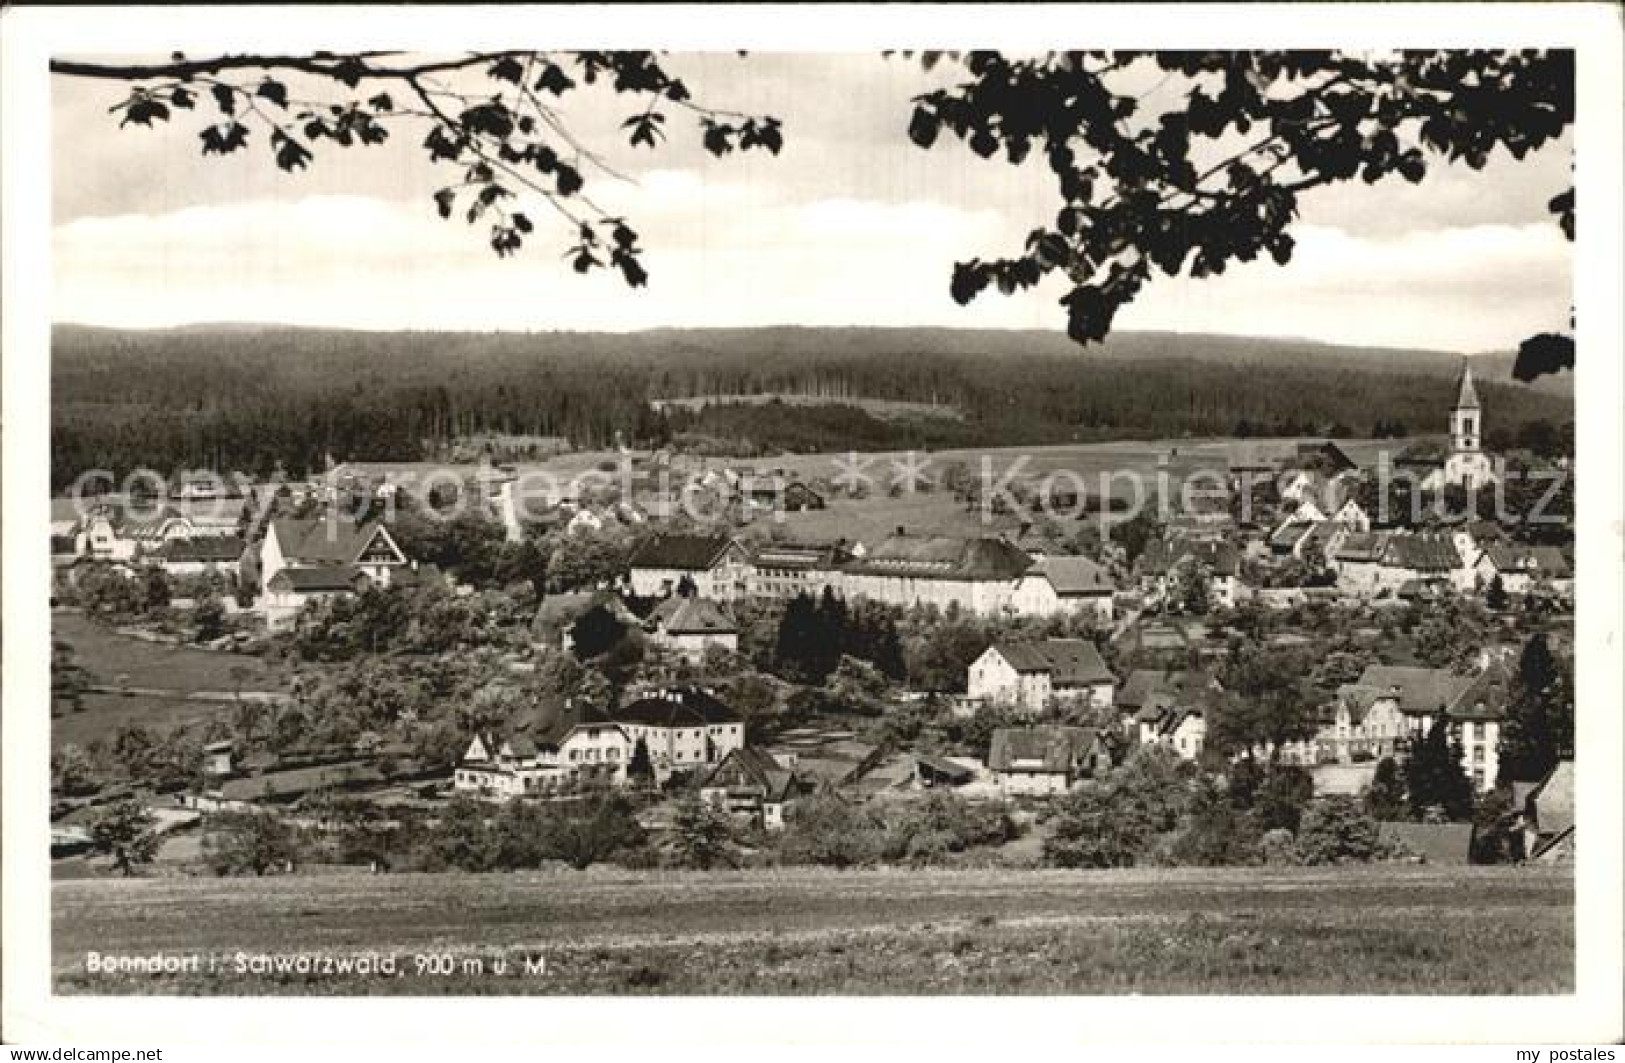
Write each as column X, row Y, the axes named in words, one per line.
column 1356, row 930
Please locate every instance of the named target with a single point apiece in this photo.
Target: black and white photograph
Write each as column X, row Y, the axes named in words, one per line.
column 956, row 506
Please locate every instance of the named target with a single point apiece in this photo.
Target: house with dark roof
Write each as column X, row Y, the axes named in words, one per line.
column 1357, row 560
column 1039, row 761
column 1473, row 705
column 1060, row 585
column 222, row 554
column 330, row 543
column 684, row 729
column 691, row 625
column 526, row 761
column 717, row 566
column 1427, row 560
column 1032, row 675
column 1522, row 569
column 1161, row 563
column 775, row 494
column 1361, row 723
column 750, row 783
column 979, row 575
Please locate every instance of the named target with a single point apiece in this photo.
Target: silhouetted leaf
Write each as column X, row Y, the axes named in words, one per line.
column 225, row 138
column 274, row 91
column 225, row 98
column 290, row 154
column 553, row 79
column 508, row 69
column 568, row 179
column 1543, row 354
column 444, row 200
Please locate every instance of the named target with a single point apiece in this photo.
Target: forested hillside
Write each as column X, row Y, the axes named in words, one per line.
column 249, row 398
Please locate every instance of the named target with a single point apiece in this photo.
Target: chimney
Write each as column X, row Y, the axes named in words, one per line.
column 901, row 530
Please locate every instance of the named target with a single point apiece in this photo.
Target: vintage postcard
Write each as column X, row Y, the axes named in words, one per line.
column 970, row 505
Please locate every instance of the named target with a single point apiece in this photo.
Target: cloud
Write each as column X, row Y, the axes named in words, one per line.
column 741, row 254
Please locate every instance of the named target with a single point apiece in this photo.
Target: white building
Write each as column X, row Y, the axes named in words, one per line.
column 1032, row 675
column 1466, row 465
column 716, row 565
column 1074, row 586
column 683, row 729
column 690, row 626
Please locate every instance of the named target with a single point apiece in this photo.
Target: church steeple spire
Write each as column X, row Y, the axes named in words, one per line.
column 1466, row 394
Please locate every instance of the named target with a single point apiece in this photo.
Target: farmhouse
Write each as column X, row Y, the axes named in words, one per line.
column 751, row 784
column 1040, row 760
column 1523, row 568
column 1180, row 727
column 682, row 729
column 775, row 494
column 339, row 548
column 290, row 590
column 690, row 626
column 716, row 565
column 222, row 554
column 1032, row 675
column 1075, row 586
column 1422, row 560
column 979, row 575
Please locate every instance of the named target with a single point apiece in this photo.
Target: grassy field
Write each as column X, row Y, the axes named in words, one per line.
column 115, row 660
column 103, row 715
column 1379, row 930
column 119, row 660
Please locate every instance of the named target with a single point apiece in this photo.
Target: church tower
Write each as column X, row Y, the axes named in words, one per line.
column 1467, row 465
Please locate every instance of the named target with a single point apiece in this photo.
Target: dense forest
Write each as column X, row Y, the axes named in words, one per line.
column 252, row 399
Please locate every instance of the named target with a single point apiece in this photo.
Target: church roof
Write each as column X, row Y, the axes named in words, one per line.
column 1466, row 394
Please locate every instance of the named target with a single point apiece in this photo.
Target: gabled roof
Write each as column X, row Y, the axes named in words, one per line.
column 1551, row 804
column 943, row 557
column 1424, row 553
column 675, row 708
column 1358, row 699
column 211, row 548
column 1163, row 555
column 1068, row 662
column 1420, row 690
column 1361, row 546
column 1047, row 748
column 318, row 578
column 693, row 553
column 315, row 541
column 692, row 616
column 1074, row 575
column 754, row 767
column 1487, row 696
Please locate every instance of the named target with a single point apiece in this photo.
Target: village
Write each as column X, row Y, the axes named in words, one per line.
column 739, row 689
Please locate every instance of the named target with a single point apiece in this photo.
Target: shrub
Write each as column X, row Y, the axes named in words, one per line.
column 828, row 830
column 1278, row 849
column 240, row 843
column 1337, row 830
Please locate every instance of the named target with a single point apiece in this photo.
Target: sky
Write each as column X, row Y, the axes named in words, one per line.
column 850, row 225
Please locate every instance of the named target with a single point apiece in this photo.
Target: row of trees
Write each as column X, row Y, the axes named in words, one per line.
column 261, row 401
